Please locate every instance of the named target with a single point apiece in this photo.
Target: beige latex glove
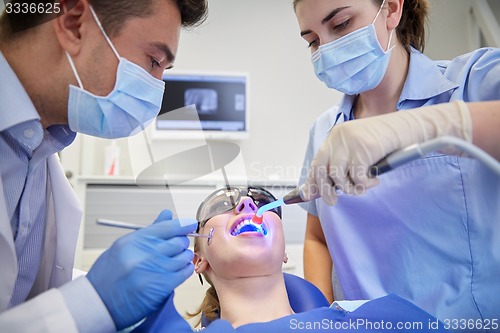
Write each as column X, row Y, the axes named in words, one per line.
column 343, row 161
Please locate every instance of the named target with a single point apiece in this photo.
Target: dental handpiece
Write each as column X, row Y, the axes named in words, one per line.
column 408, row 154
column 298, row 195
column 295, row 196
column 388, row 163
column 397, row 159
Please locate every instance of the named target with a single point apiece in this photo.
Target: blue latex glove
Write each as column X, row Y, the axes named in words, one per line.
column 141, row 269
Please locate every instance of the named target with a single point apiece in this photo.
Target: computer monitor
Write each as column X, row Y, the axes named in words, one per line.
column 220, row 101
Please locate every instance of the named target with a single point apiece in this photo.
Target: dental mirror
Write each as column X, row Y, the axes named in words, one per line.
column 125, row 225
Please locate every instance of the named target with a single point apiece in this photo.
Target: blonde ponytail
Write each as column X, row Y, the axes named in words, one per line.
column 210, row 306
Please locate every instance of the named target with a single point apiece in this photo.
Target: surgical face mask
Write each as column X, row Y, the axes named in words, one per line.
column 130, row 107
column 354, row 63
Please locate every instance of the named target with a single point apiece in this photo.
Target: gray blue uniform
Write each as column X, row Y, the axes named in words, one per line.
column 386, row 314
column 430, row 232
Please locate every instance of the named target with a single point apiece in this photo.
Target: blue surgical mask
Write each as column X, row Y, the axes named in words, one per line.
column 354, row 63
column 130, row 107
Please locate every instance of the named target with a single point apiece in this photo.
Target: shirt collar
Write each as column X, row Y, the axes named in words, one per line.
column 17, row 108
column 16, row 104
column 62, row 135
column 425, row 79
column 345, row 109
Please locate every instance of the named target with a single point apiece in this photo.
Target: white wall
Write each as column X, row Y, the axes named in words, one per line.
column 495, row 7
column 450, row 29
column 448, row 34
column 261, row 37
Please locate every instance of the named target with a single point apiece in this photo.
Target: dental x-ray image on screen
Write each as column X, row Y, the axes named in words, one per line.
column 221, row 102
column 205, row 100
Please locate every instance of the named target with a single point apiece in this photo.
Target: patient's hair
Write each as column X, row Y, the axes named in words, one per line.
column 210, row 307
column 411, row 28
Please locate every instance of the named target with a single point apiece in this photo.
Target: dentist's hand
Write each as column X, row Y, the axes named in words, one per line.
column 141, row 269
column 353, row 147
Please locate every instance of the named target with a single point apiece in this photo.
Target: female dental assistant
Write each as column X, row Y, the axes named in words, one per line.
column 429, row 231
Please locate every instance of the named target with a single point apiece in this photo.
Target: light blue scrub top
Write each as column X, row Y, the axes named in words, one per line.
column 430, row 232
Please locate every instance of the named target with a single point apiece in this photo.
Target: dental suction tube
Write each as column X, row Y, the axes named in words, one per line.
column 409, row 154
column 417, row 151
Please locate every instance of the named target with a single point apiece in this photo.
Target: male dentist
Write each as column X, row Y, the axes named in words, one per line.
column 97, row 70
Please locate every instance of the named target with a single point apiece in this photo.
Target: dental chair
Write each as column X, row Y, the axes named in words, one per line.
column 302, row 295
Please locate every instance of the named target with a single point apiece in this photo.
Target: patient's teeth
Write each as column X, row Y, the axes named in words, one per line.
column 243, row 223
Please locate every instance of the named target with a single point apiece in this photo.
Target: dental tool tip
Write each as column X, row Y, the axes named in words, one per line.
column 257, row 219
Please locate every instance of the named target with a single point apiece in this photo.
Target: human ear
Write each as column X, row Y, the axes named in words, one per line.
column 395, row 8
column 285, row 258
column 200, row 264
column 68, row 27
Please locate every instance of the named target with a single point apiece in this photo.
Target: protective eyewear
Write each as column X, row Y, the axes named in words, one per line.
column 227, row 199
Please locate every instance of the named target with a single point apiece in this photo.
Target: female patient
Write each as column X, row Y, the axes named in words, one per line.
column 243, row 264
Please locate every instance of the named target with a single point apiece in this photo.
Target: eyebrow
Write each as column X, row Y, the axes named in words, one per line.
column 165, row 50
column 326, row 19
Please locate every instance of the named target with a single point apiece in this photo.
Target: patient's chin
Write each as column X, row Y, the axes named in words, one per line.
column 246, row 264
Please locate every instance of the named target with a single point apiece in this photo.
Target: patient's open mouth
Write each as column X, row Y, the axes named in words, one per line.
column 245, row 224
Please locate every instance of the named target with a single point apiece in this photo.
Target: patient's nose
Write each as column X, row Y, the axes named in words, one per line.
column 247, row 205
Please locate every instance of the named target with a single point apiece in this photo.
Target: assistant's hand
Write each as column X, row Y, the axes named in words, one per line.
column 141, row 269
column 353, row 147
